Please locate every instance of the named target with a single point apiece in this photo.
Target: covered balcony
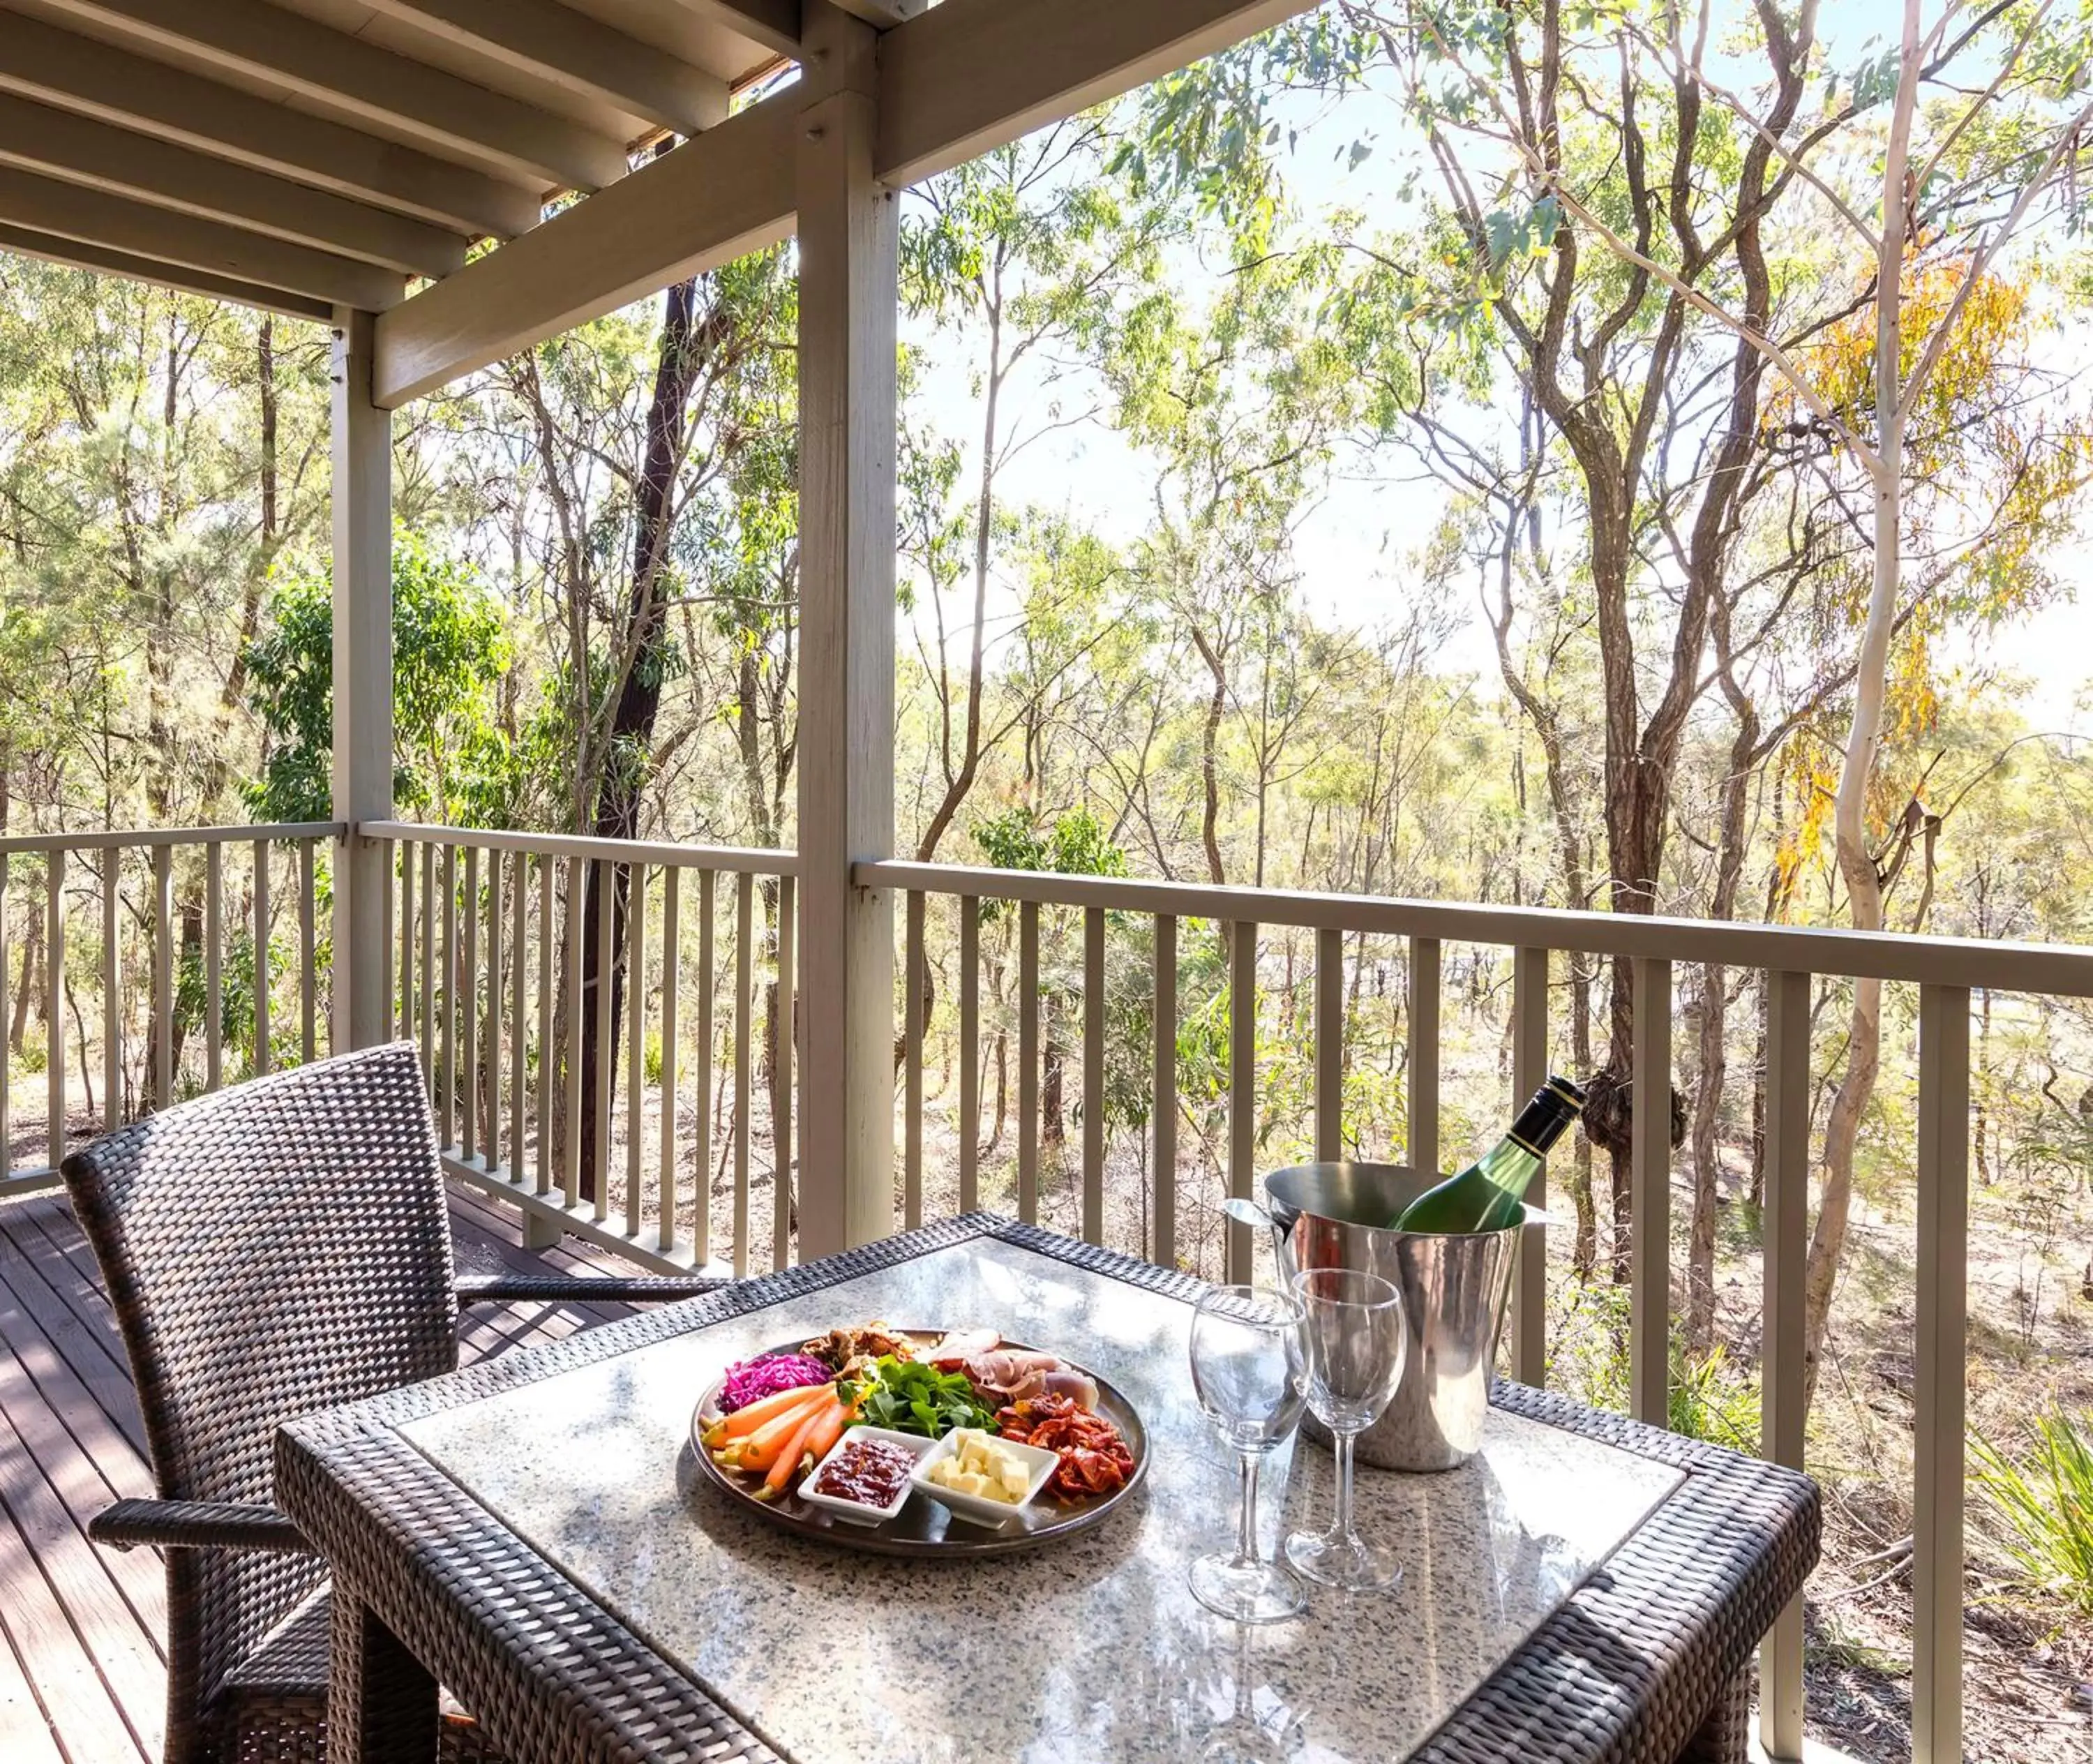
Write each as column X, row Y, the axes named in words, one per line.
column 689, row 1058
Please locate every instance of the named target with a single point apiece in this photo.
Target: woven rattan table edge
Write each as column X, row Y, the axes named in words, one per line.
column 1623, row 1670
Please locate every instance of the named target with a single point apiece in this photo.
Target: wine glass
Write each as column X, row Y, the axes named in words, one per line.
column 1248, row 1361
column 1356, row 1339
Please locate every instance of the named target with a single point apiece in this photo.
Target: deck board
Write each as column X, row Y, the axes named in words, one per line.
column 83, row 1628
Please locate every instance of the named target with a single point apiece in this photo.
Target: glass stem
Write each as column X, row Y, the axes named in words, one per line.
column 1342, row 1526
column 1246, row 1520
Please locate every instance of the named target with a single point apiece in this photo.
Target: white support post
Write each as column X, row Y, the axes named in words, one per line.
column 362, row 682
column 1785, row 1233
column 1941, row 1391
column 848, row 294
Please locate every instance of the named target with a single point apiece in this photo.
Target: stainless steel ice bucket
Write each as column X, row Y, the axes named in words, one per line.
column 1454, row 1290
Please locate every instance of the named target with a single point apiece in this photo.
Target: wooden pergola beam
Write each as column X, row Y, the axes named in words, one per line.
column 371, row 83
column 26, row 241
column 38, row 138
column 73, row 211
column 575, row 51
column 727, row 191
column 953, row 82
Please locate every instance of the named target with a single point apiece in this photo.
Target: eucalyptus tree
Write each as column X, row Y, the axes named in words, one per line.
column 158, row 453
column 650, row 436
column 1029, row 256
column 1489, row 298
column 1644, row 234
column 1243, row 402
column 1914, row 398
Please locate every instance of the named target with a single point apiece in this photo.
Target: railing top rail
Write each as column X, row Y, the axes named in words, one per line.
column 731, row 858
column 2058, row 969
column 124, row 837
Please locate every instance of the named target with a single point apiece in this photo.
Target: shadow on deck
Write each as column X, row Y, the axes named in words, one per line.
column 83, row 1628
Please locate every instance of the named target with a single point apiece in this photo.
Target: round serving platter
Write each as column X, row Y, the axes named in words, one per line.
column 925, row 1527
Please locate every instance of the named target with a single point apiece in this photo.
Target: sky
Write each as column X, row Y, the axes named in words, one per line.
column 1356, row 549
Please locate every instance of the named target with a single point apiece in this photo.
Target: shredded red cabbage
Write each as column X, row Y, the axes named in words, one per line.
column 749, row 1381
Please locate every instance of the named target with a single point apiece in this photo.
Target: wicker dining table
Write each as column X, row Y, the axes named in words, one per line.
column 533, row 1533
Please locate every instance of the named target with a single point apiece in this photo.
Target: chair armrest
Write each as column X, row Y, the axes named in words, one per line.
column 198, row 1525
column 582, row 1288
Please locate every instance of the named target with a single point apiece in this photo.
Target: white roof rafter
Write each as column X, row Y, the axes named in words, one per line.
column 367, row 84
column 38, row 138
column 571, row 49
column 308, row 155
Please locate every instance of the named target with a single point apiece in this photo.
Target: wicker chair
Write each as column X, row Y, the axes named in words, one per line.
column 281, row 1246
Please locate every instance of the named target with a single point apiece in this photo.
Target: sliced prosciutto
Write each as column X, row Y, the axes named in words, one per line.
column 960, row 1345
column 1011, row 1375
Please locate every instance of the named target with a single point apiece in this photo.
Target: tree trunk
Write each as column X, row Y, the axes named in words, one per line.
column 1209, row 769
column 1707, row 1160
column 1002, row 1091
column 160, row 730
column 960, row 782
column 1758, row 1188
column 1857, row 863
column 638, row 703
column 1714, row 1013
column 32, row 942
column 1052, row 1130
column 1980, row 1121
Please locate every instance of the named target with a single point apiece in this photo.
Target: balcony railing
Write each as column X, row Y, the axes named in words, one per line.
column 492, row 977
column 1946, row 971
column 248, row 881
column 687, row 1157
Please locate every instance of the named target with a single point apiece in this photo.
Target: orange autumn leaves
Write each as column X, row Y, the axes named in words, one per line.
column 1995, row 459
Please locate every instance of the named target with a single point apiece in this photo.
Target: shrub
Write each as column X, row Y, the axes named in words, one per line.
column 1714, row 1400
column 2043, row 1504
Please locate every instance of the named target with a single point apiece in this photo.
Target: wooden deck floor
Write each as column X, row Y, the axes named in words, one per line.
column 83, row 1628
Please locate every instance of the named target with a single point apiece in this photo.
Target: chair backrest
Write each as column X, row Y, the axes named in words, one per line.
column 279, row 1247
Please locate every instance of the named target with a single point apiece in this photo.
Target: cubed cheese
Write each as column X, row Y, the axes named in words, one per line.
column 980, row 1465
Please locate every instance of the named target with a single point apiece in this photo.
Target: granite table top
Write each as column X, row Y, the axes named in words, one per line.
column 1091, row 1649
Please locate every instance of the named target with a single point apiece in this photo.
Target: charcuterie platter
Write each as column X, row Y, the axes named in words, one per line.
column 919, row 1442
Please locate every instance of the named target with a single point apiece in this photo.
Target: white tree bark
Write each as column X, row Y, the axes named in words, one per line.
column 1856, row 863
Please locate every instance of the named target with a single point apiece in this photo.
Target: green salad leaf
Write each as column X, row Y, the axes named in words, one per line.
column 909, row 1397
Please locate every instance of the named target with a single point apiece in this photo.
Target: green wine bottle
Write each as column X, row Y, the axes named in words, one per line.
column 1489, row 1195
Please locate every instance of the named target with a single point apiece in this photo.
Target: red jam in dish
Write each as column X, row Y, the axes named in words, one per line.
column 869, row 1471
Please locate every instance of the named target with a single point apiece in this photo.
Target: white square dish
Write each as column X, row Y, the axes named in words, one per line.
column 982, row 1509
column 857, row 1512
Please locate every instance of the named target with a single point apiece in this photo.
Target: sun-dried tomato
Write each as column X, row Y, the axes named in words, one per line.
column 1094, row 1458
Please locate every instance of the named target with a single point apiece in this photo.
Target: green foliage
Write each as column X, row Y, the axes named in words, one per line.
column 1076, row 844
column 1711, row 1398
column 2042, row 1504
column 450, row 648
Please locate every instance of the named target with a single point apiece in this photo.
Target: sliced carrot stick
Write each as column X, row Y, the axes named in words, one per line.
column 759, row 1450
column 747, row 1420
column 795, row 1450
column 729, row 1431
column 829, row 1429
